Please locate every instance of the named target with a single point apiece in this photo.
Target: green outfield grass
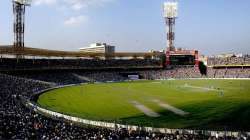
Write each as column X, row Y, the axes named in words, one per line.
column 210, row 104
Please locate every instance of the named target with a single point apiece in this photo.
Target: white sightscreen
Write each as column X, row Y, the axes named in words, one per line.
column 133, row 77
column 170, row 9
column 24, row 2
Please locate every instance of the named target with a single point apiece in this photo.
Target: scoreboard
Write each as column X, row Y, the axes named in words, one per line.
column 182, row 60
column 182, row 57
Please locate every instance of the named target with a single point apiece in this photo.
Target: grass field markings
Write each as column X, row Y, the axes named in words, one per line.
column 129, row 91
column 197, row 87
column 147, row 111
column 156, row 82
column 170, row 108
column 202, row 111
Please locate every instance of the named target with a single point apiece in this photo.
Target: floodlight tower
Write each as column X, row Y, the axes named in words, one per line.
column 19, row 22
column 170, row 14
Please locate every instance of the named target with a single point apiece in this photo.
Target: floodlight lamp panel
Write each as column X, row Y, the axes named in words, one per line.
column 24, row 2
column 170, row 9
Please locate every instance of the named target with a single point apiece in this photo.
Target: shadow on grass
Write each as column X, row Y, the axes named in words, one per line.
column 209, row 115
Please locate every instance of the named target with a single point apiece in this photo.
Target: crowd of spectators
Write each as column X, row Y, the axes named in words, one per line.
column 176, row 73
column 65, row 78
column 103, row 76
column 58, row 78
column 193, row 72
column 244, row 60
column 228, row 73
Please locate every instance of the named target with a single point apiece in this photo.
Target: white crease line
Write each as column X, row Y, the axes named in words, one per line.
column 170, row 108
column 147, row 111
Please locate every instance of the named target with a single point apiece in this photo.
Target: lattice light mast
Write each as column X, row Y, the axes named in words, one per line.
column 170, row 14
column 19, row 24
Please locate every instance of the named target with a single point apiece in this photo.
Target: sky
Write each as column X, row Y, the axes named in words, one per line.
column 210, row 26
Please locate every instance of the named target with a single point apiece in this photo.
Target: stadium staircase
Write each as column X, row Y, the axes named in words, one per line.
column 82, row 77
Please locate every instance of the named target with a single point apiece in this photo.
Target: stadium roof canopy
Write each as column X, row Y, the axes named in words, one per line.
column 8, row 50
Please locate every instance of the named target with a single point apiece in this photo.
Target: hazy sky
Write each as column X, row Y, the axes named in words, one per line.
column 211, row 26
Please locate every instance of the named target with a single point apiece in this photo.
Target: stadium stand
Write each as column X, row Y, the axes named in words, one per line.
column 19, row 122
column 177, row 73
column 17, row 64
column 64, row 78
column 58, row 78
column 244, row 60
column 228, row 73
